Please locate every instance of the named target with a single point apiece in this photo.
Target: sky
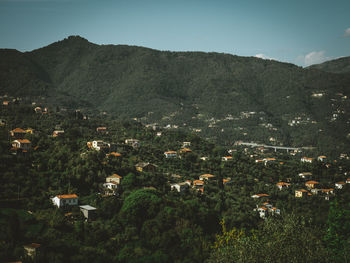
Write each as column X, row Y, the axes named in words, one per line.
column 302, row 32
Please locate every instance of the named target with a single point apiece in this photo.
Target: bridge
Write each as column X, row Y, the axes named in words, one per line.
column 253, row 144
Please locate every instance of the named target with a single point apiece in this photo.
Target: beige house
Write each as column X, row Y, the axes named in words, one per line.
column 115, row 178
column 311, row 184
column 300, row 193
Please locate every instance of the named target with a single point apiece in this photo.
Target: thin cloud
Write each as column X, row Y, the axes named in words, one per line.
column 347, row 32
column 263, row 56
column 314, row 57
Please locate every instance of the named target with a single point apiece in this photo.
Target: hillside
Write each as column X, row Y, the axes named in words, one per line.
column 340, row 65
column 224, row 97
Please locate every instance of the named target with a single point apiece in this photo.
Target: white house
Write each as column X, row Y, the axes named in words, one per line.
column 180, row 187
column 322, row 158
column 339, row 185
column 65, row 200
column 305, row 175
column 282, row 185
column 170, row 154
column 306, row 160
column 99, row 144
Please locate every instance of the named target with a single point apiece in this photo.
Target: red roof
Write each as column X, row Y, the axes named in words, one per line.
column 19, row 130
column 207, row 175
column 301, row 190
column 67, row 196
column 116, row 176
column 23, row 141
column 33, row 245
column 312, row 182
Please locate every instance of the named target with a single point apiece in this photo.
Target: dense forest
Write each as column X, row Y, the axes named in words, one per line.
column 220, row 96
column 146, row 219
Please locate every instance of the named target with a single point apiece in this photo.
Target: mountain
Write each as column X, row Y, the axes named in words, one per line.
column 340, row 65
column 222, row 96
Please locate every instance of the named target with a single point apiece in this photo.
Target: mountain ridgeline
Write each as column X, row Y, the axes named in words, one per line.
column 225, row 97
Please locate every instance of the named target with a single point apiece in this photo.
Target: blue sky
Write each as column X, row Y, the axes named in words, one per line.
column 300, row 32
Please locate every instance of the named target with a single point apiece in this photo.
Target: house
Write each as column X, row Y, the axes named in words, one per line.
column 306, row 159
column 113, row 154
column 65, row 200
column 305, row 175
column 268, row 160
column 22, row 144
column 259, row 161
column 99, row 145
column 262, row 211
column 115, row 178
column 327, row 193
column 282, row 185
column 300, row 193
column 340, row 185
column 145, row 167
column 185, row 150
column 18, row 133
column 38, row 110
column 133, row 142
column 198, row 183
column 226, row 158
column 180, row 187
column 204, row 158
column 31, row 249
column 88, row 211
column 322, row 158
column 102, row 130
column 226, row 181
column 5, row 103
column 206, row 177
column 311, row 184
column 186, row 144
column 111, row 187
column 2, row 122
column 57, row 133
column 267, row 209
column 347, row 181
column 170, row 154
column 257, row 196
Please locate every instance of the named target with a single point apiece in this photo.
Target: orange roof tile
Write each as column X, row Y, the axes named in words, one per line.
column 115, row 176
column 170, row 152
column 33, row 245
column 67, row 196
column 197, row 182
column 282, row 183
column 312, row 182
column 114, row 154
column 207, row 175
column 301, row 190
column 19, row 130
column 186, row 150
column 23, row 141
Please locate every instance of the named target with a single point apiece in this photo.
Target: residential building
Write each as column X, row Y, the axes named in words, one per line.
column 300, row 193
column 305, row 175
column 145, row 167
column 115, row 178
column 65, row 200
column 311, row 184
column 170, row 154
column 257, row 196
column 180, row 187
column 226, row 158
column 340, row 185
column 322, row 158
column 18, row 133
column 57, row 133
column 207, row 177
column 31, row 249
column 282, row 185
column 306, row 159
column 22, row 144
column 99, row 145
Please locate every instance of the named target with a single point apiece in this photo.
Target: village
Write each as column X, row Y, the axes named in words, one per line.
column 270, row 176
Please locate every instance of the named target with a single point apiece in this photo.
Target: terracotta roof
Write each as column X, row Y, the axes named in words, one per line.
column 327, row 190
column 67, row 196
column 340, row 183
column 33, row 245
column 23, row 141
column 227, row 157
column 269, row 159
column 322, row 156
column 312, row 182
column 196, row 182
column 301, row 190
column 261, row 195
column 207, row 175
column 282, row 183
column 263, row 207
column 116, row 176
column 307, row 158
column 19, row 130
column 114, row 154
column 170, row 152
column 186, row 150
